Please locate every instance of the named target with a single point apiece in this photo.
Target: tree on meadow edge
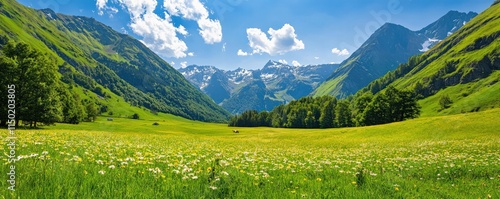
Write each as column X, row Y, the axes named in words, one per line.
column 39, row 93
column 343, row 114
column 327, row 118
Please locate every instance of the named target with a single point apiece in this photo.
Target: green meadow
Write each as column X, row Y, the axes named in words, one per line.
column 455, row 156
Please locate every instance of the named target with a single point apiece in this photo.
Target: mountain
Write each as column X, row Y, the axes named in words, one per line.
column 96, row 58
column 387, row 48
column 460, row 74
column 240, row 90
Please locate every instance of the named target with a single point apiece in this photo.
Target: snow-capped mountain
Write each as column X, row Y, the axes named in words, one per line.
column 241, row 89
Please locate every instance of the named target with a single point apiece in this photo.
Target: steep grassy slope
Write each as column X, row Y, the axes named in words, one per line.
column 91, row 54
column 464, row 67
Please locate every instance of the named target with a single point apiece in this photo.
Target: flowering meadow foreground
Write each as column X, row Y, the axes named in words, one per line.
column 443, row 157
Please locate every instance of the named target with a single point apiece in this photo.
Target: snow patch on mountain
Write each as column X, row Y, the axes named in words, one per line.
column 428, row 43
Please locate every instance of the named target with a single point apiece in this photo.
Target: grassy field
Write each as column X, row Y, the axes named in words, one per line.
column 434, row 157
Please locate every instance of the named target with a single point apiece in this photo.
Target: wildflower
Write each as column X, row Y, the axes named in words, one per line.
column 112, row 166
column 213, row 187
column 318, row 179
column 194, row 177
column 102, row 172
column 45, row 153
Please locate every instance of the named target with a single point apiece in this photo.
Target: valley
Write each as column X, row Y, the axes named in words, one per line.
column 96, row 111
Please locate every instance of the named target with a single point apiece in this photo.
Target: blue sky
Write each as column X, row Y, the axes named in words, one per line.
column 247, row 33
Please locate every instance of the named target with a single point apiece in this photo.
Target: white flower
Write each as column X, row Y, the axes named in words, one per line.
column 102, row 172
column 112, row 166
column 213, row 187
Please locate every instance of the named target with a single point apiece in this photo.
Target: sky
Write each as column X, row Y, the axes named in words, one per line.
column 231, row 34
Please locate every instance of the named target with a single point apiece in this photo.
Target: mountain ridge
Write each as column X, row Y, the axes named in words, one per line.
column 274, row 84
column 384, row 50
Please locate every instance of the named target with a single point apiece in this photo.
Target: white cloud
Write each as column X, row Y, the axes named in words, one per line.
column 159, row 33
column 210, row 30
column 224, row 47
column 316, row 57
column 281, row 41
column 282, row 61
column 241, row 53
column 184, row 64
column 101, row 5
column 191, row 54
column 339, row 52
column 296, row 63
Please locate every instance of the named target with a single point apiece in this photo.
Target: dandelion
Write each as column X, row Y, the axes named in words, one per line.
column 318, row 179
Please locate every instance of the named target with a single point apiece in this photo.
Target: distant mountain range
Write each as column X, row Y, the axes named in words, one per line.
column 390, row 46
column 240, row 90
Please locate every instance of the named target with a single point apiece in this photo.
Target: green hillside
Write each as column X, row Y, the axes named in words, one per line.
column 463, row 67
column 92, row 56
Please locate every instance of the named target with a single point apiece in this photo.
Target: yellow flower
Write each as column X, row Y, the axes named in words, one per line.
column 318, row 179
column 209, row 169
column 396, row 188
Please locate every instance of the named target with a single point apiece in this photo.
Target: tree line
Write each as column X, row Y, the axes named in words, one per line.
column 391, row 105
column 40, row 95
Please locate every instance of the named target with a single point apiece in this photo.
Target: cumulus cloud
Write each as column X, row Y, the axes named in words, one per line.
column 241, row 53
column 343, row 52
column 184, row 64
column 296, row 63
column 159, row 33
column 209, row 29
column 101, row 5
column 281, row 41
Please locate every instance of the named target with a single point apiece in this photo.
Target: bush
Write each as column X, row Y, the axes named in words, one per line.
column 135, row 116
